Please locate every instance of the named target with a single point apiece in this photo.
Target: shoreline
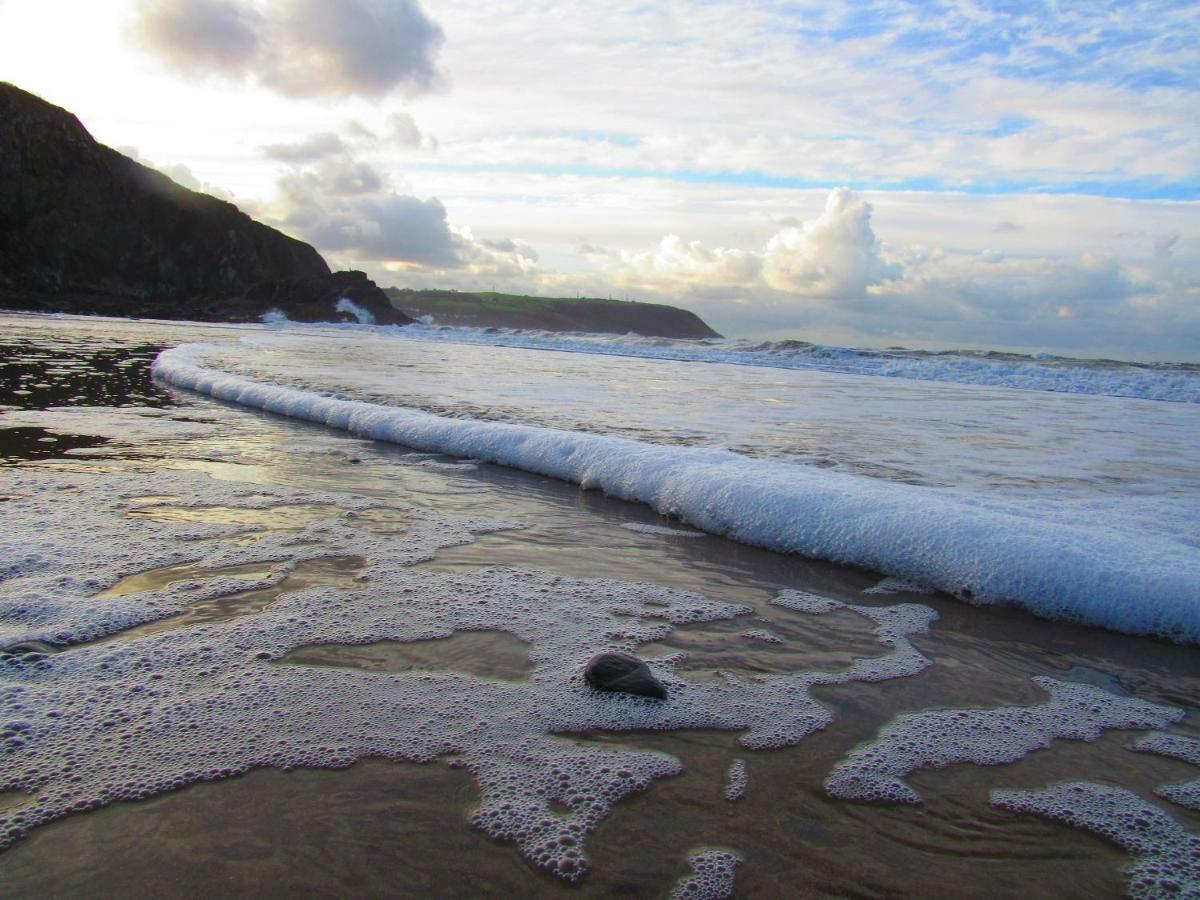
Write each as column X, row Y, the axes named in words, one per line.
column 1097, row 578
column 379, row 824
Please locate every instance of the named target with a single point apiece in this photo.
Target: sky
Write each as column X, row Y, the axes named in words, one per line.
column 1014, row 175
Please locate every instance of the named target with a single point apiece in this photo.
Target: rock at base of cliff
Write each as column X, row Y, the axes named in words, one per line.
column 316, row 298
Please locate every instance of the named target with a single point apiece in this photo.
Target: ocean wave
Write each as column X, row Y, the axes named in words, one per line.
column 1120, row 579
column 1173, row 382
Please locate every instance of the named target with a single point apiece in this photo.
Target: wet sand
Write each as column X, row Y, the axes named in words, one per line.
column 382, row 828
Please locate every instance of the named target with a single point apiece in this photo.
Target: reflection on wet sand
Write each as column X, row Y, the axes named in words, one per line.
column 385, row 829
column 333, row 571
column 287, row 517
column 494, row 655
column 157, row 579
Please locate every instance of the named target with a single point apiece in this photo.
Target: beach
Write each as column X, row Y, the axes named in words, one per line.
column 279, row 576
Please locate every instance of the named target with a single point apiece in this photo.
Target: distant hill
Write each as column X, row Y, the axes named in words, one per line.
column 85, row 229
column 487, row 309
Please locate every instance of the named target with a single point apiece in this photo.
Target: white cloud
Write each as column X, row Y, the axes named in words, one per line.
column 834, row 255
column 676, row 261
column 717, row 125
column 298, row 48
column 830, row 276
column 348, row 207
column 402, row 131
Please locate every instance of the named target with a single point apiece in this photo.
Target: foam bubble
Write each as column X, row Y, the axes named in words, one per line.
column 1185, row 793
column 127, row 719
column 897, row 586
column 712, row 877
column 1168, row 856
column 72, row 537
column 985, row 737
column 124, row 424
column 803, row 601
column 736, row 780
column 763, row 635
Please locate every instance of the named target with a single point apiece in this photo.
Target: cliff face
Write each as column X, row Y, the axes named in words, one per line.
column 490, row 310
column 85, row 229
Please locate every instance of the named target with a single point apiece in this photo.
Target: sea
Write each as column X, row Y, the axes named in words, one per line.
column 304, row 610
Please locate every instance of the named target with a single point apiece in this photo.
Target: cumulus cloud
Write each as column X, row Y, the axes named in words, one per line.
column 298, row 48
column 690, row 262
column 831, row 276
column 347, row 206
column 200, row 37
column 834, row 255
column 514, row 262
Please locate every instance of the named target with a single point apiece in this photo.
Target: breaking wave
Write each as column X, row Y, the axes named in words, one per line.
column 1120, row 578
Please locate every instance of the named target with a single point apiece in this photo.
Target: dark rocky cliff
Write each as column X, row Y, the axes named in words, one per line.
column 85, row 229
column 492, row 310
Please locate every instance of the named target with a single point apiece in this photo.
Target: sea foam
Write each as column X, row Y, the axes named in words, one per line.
column 946, row 539
column 101, row 722
column 1185, row 793
column 985, row 737
column 1168, row 855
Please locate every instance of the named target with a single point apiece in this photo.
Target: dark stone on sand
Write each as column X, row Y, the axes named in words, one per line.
column 623, row 673
column 85, row 229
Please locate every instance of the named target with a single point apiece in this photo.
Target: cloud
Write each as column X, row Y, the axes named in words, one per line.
column 515, row 262
column 297, row 48
column 1165, row 245
column 404, row 130
column 829, row 278
column 203, row 36
column 348, row 207
column 400, row 130
column 180, row 174
column 834, row 255
column 675, row 260
column 311, row 149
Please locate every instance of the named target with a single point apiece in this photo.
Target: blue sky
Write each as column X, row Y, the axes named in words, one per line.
column 1020, row 174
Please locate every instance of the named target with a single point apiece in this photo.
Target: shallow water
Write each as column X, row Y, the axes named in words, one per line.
column 485, row 654
column 982, row 439
column 1075, row 507
column 382, row 827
